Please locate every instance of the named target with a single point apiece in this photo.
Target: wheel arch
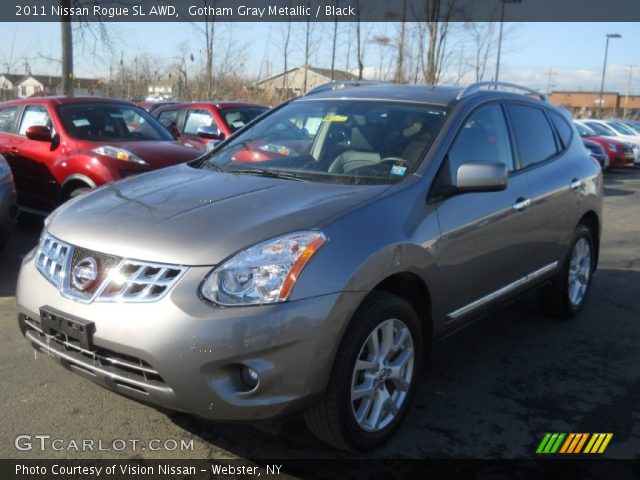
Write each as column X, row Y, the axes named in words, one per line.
column 592, row 222
column 77, row 180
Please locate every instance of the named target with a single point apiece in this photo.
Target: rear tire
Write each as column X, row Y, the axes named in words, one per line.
column 566, row 294
column 374, row 376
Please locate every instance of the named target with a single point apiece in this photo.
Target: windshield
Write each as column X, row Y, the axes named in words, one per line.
column 237, row 118
column 111, row 122
column 601, row 129
column 622, row 128
column 585, row 131
column 340, row 141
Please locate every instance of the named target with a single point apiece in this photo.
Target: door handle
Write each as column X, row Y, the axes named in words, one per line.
column 521, row 204
column 575, row 184
column 14, row 150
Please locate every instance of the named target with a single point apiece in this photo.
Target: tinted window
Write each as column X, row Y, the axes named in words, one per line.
column 113, row 122
column 533, row 134
column 7, row 117
column 196, row 119
column 168, row 118
column 601, row 129
column 584, row 131
column 562, row 127
column 34, row 115
column 484, row 137
column 336, row 141
column 237, row 118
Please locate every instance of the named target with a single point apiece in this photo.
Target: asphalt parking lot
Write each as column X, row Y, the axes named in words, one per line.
column 490, row 391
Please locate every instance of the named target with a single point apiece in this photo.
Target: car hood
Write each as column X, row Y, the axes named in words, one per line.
column 158, row 154
column 183, row 215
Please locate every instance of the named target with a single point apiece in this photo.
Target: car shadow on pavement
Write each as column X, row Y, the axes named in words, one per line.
column 23, row 238
column 493, row 389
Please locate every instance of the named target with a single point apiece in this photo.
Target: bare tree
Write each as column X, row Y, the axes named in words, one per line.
column 359, row 41
column 436, row 30
column 334, row 40
column 286, row 39
column 399, row 75
column 384, row 43
column 207, row 31
column 67, row 50
column 482, row 37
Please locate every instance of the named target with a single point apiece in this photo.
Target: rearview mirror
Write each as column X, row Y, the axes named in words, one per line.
column 39, row 133
column 212, row 133
column 481, row 177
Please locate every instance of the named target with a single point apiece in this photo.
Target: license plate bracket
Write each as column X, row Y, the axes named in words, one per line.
column 53, row 321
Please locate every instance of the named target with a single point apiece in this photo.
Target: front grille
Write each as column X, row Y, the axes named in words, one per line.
column 105, row 264
column 51, row 259
column 139, row 281
column 117, row 279
column 125, row 366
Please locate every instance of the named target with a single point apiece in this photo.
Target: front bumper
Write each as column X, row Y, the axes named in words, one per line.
column 184, row 354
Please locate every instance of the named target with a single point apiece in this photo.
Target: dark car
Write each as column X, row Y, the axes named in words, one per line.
column 197, row 124
column 61, row 147
column 8, row 208
column 598, row 152
column 316, row 282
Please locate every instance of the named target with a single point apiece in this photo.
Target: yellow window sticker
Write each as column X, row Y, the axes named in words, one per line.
column 335, row 118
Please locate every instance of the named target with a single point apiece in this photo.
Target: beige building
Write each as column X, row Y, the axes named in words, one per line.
column 24, row 86
column 292, row 82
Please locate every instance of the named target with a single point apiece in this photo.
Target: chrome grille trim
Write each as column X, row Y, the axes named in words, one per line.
column 126, row 281
column 52, row 259
column 57, row 345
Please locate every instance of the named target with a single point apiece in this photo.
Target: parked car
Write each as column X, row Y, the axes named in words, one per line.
column 151, row 106
column 60, row 147
column 8, row 208
column 633, row 125
column 598, row 153
column 318, row 281
column 197, row 124
column 621, row 154
column 604, row 129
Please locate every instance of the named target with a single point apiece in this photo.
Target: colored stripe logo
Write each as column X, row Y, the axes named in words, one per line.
column 574, row 443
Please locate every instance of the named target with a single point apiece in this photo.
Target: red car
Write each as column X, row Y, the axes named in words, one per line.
column 60, row 147
column 620, row 153
column 197, row 124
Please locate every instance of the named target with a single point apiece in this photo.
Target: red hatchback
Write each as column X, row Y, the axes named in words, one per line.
column 197, row 124
column 60, row 147
column 620, row 153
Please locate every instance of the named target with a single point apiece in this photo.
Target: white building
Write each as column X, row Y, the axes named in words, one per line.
column 23, row 86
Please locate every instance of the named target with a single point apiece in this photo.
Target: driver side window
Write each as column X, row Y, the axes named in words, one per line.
column 483, row 137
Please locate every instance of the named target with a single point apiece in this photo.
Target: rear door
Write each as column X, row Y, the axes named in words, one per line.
column 485, row 245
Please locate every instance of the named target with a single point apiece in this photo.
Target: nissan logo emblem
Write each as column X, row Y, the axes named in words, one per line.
column 84, row 273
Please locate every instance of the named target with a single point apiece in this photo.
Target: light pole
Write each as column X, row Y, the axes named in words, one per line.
column 604, row 69
column 503, row 2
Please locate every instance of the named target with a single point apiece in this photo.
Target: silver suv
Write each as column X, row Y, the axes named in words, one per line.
column 308, row 263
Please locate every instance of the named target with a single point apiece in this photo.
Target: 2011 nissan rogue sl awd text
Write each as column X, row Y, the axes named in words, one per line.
column 315, row 280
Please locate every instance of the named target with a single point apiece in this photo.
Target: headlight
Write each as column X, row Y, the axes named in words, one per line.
column 612, row 147
column 119, row 154
column 264, row 273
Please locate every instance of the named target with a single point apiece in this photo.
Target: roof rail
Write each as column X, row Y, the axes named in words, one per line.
column 476, row 87
column 340, row 84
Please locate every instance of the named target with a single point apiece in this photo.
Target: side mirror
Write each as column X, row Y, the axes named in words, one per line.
column 39, row 133
column 481, row 177
column 173, row 130
column 212, row 133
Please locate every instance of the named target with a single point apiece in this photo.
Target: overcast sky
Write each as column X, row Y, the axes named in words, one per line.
column 573, row 51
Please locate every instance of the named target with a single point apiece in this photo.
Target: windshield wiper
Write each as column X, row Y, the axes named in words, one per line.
column 212, row 166
column 263, row 172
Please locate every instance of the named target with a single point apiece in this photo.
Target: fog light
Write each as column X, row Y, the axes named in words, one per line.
column 249, row 376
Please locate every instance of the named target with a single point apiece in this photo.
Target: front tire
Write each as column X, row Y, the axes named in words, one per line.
column 565, row 296
column 374, row 377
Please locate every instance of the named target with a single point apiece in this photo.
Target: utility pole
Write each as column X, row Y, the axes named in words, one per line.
column 550, row 74
column 626, row 97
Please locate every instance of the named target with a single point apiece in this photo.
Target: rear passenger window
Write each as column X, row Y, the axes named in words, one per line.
column 168, row 118
column 34, row 115
column 7, row 118
column 533, row 134
column 484, row 137
column 562, row 127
